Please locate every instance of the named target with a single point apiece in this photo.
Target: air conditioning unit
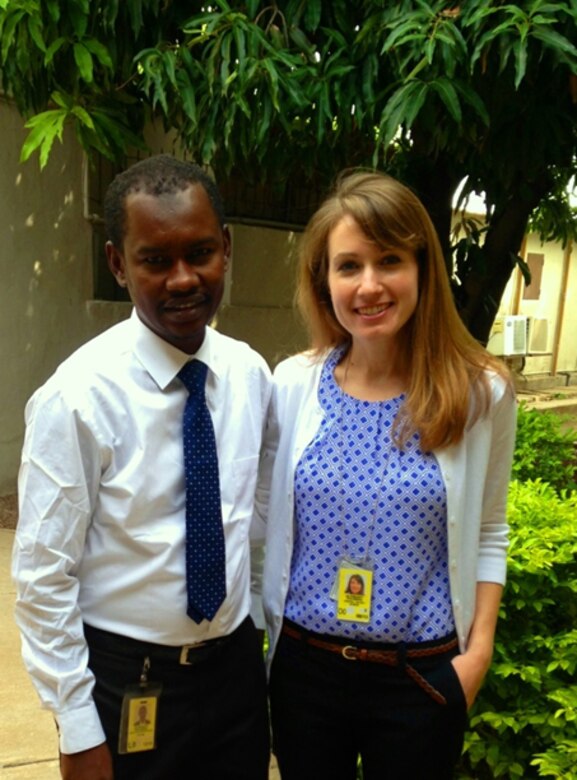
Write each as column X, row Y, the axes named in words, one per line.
column 509, row 335
column 538, row 335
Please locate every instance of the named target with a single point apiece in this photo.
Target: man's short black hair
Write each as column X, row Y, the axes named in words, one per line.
column 156, row 176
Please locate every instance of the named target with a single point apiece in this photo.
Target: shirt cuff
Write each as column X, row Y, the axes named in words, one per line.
column 80, row 729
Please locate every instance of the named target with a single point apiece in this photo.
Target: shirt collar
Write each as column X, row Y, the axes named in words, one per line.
column 162, row 360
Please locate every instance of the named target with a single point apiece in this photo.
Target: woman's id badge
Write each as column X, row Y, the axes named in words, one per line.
column 355, row 586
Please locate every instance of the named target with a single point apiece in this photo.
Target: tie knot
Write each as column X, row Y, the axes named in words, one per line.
column 193, row 376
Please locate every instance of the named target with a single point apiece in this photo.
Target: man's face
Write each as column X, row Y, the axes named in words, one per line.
column 172, row 260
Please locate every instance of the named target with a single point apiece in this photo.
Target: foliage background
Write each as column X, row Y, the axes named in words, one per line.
column 524, row 723
column 292, row 91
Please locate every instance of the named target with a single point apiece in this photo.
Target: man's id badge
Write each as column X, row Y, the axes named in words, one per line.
column 355, row 587
column 138, row 715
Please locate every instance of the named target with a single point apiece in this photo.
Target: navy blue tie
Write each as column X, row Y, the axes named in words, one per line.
column 205, row 550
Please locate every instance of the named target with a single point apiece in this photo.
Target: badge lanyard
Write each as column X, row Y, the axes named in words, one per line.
column 352, row 588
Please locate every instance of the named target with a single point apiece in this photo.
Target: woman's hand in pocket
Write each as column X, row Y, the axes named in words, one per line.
column 471, row 669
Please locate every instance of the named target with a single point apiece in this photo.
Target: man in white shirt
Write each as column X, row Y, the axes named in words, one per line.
column 99, row 557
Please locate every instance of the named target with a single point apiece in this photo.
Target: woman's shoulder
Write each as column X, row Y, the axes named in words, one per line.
column 499, row 382
column 493, row 394
column 300, row 368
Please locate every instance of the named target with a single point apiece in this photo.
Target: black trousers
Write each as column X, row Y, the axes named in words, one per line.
column 212, row 721
column 326, row 711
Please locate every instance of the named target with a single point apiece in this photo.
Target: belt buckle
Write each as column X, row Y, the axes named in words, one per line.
column 184, row 651
column 345, row 652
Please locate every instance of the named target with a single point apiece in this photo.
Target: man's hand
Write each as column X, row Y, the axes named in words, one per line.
column 93, row 764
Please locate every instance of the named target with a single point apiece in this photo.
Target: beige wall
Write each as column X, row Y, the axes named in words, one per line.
column 46, row 275
column 556, row 304
column 46, row 306
column 258, row 302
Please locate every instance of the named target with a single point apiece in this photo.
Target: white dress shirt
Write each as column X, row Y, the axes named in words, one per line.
column 101, row 533
column 475, row 472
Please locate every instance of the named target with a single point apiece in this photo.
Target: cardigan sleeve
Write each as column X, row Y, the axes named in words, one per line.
column 494, row 529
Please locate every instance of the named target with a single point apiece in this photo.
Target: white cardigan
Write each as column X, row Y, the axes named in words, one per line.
column 475, row 472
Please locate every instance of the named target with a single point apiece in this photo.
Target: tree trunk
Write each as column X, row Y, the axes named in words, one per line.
column 485, row 286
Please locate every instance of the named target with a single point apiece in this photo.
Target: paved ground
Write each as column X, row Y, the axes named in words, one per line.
column 28, row 747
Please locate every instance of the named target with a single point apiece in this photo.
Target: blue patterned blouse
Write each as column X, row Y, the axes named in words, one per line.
column 357, row 496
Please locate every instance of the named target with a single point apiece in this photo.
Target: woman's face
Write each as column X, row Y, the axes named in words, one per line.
column 355, row 586
column 374, row 291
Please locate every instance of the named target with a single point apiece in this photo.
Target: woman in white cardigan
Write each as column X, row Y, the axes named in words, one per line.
column 389, row 454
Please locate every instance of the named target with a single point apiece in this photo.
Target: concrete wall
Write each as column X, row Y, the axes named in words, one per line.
column 46, row 291
column 46, row 275
column 258, row 303
column 555, row 304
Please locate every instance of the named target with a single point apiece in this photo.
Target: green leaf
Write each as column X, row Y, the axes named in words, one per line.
column 83, row 116
column 520, row 49
column 83, row 59
column 449, row 96
column 8, row 33
column 473, row 99
column 323, row 112
column 554, row 40
column 54, row 47
column 301, row 41
column 116, row 129
column 370, row 74
column 78, row 15
column 62, row 100
column 252, row 7
column 239, row 39
column 187, row 95
column 274, row 82
column 111, row 14
column 135, row 14
column 264, row 122
column 523, row 267
column 35, row 30
column 402, row 33
column 53, row 7
column 312, row 15
column 415, row 98
column 44, row 129
column 392, row 116
column 169, row 62
column 99, row 51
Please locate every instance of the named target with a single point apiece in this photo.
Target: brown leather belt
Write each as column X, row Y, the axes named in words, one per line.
column 396, row 657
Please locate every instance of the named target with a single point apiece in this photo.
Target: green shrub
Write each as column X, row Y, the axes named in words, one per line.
column 543, row 450
column 524, row 724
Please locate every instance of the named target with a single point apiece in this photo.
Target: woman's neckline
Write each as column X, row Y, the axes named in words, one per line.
column 352, row 384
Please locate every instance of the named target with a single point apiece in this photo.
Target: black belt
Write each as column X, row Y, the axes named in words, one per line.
column 183, row 655
column 393, row 656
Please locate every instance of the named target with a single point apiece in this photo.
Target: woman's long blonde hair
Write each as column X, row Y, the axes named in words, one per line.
column 448, row 386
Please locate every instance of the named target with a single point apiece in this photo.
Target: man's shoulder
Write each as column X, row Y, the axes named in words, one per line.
column 237, row 355
column 100, row 357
